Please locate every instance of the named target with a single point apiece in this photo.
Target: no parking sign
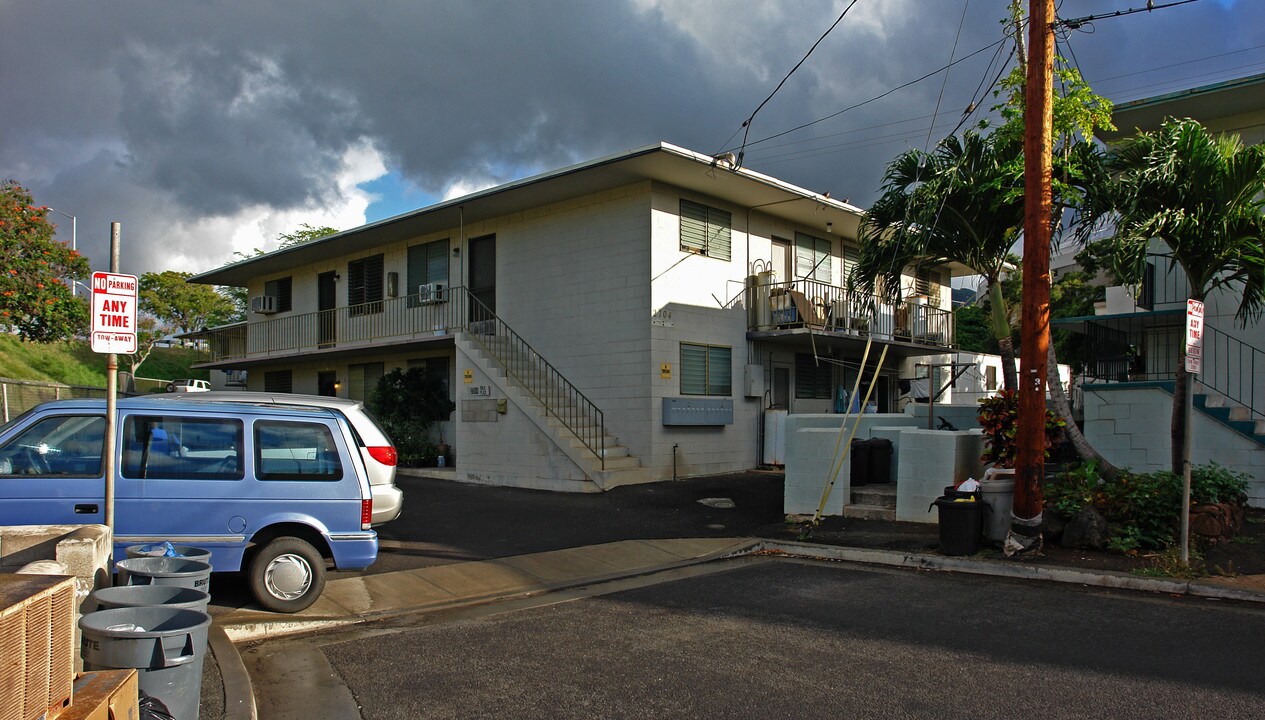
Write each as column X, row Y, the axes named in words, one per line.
column 114, row 313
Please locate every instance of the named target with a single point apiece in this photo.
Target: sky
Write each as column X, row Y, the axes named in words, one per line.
column 210, row 128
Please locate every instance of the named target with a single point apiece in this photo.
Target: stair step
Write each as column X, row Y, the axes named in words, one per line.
column 869, row 512
column 875, row 495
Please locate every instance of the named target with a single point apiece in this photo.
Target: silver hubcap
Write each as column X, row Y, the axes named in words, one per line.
column 288, row 577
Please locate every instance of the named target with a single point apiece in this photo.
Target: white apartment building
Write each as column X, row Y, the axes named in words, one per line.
column 628, row 319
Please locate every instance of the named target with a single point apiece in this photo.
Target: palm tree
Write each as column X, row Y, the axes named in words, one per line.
column 961, row 203
column 1203, row 197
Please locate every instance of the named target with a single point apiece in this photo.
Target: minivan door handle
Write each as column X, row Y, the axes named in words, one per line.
column 86, row 509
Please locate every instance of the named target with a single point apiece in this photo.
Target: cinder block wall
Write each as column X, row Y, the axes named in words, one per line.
column 929, row 460
column 1129, row 425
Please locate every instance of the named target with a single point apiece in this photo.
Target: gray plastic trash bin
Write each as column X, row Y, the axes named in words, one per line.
column 187, row 552
column 999, row 494
column 168, row 596
column 165, row 645
column 165, row 571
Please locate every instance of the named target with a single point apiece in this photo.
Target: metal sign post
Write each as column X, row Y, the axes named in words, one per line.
column 1194, row 364
column 114, row 299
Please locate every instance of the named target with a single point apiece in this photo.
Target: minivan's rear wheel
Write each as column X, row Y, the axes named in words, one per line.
column 287, row 575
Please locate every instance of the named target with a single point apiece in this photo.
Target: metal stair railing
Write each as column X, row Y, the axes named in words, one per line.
column 1229, row 368
column 559, row 397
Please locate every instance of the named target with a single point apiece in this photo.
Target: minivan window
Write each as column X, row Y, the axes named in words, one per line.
column 182, row 448
column 295, row 451
column 58, row 446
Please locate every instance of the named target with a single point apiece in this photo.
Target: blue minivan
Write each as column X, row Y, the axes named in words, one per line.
column 274, row 492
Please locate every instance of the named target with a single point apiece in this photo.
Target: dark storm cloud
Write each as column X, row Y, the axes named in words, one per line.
column 176, row 116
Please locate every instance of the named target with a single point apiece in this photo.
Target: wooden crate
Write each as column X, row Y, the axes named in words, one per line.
column 37, row 645
column 104, row 695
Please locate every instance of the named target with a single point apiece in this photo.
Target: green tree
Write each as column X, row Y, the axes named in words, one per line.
column 181, row 305
column 965, row 203
column 36, row 300
column 961, row 203
column 1202, row 197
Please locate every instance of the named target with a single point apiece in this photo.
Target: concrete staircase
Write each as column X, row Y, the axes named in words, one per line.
column 560, row 413
column 1231, row 414
column 872, row 502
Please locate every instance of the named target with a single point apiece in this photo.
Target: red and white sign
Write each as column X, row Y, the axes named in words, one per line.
column 114, row 313
column 1194, row 336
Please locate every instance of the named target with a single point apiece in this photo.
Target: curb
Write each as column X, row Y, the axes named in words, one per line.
column 920, row 561
column 239, row 692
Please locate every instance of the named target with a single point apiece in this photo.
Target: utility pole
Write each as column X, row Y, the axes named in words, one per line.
column 1025, row 528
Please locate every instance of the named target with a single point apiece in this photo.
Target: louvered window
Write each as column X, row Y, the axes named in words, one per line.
column 278, row 381
column 706, row 230
column 812, row 258
column 427, row 263
column 280, row 289
column 364, row 285
column 813, row 378
column 706, row 369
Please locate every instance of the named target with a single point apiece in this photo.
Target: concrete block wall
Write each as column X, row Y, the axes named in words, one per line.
column 929, row 460
column 811, row 441
column 810, row 453
column 1129, row 425
column 510, row 449
column 85, row 550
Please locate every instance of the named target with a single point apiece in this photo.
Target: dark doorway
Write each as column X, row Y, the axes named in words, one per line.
column 327, row 383
column 326, row 301
column 482, row 277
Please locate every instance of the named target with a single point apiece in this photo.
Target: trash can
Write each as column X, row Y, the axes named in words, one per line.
column 880, row 460
column 165, row 571
column 168, row 596
column 187, row 552
column 859, row 457
column 997, row 490
column 961, row 523
column 165, row 645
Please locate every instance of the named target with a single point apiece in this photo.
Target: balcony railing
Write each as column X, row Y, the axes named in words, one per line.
column 401, row 318
column 820, row 306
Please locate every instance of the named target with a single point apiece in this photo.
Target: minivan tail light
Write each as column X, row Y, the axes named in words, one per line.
column 366, row 514
column 384, row 454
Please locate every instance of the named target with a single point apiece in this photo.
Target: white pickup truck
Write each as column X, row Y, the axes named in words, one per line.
column 188, row 386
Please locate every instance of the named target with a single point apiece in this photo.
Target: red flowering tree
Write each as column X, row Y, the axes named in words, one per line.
column 35, row 297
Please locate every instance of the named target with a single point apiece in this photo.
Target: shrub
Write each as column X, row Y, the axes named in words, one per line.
column 999, row 417
column 1145, row 507
column 407, row 403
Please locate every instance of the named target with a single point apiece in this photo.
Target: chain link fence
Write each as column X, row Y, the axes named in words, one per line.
column 18, row 396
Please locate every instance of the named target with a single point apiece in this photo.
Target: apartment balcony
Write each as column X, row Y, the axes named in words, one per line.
column 401, row 321
column 808, row 306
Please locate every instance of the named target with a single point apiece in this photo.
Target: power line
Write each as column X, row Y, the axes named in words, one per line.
column 747, row 123
column 1076, row 23
column 880, row 96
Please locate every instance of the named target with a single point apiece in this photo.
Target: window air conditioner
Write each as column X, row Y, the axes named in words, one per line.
column 431, row 293
column 263, row 304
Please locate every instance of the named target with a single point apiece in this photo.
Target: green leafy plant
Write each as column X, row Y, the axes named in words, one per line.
column 1142, row 507
column 999, row 417
column 407, row 403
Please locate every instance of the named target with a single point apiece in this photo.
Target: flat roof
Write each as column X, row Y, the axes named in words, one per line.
column 661, row 162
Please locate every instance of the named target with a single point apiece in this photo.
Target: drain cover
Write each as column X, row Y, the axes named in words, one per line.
column 718, row 503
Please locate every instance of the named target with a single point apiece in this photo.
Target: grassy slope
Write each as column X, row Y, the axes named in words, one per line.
column 74, row 363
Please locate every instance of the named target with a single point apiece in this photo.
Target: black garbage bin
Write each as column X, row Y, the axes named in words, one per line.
column 961, row 525
column 859, row 455
column 880, row 460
